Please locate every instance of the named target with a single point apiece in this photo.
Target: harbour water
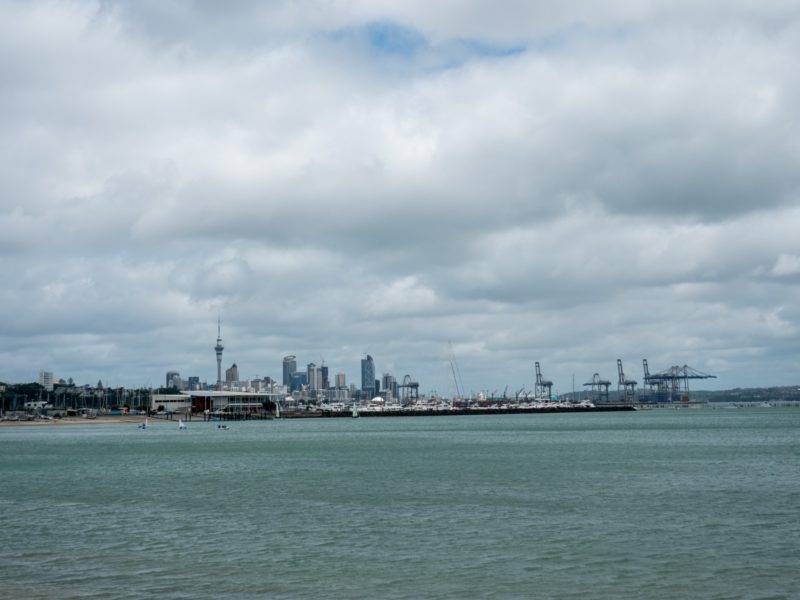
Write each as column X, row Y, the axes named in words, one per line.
column 662, row 503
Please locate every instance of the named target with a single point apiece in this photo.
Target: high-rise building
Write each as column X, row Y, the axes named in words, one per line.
column 218, row 349
column 368, row 375
column 340, row 381
column 289, row 369
column 389, row 384
column 298, row 381
column 193, row 383
column 232, row 374
column 170, row 379
column 325, row 384
column 314, row 376
column 46, row 380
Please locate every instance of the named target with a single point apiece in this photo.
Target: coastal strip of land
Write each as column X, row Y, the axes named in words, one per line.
column 104, row 420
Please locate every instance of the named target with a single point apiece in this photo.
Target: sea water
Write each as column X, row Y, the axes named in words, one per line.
column 661, row 503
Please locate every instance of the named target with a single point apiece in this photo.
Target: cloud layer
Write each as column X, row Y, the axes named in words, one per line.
column 566, row 185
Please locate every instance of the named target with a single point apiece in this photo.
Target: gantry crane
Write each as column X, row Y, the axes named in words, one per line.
column 598, row 389
column 671, row 385
column 626, row 388
column 542, row 388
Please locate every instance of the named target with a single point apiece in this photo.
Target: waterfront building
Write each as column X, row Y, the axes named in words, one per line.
column 289, row 369
column 46, row 380
column 213, row 401
column 368, row 375
column 218, row 349
column 340, row 381
column 232, row 374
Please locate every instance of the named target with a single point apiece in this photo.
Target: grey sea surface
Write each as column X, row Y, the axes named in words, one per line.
column 651, row 504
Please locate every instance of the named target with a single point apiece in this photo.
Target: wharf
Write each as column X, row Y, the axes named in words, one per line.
column 454, row 412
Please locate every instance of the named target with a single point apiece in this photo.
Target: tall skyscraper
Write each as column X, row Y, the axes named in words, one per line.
column 232, row 374
column 325, row 384
column 368, row 375
column 218, row 349
column 289, row 369
column 340, row 381
column 46, row 380
column 314, row 374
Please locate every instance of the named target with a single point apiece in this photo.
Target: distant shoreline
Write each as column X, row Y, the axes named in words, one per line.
column 105, row 420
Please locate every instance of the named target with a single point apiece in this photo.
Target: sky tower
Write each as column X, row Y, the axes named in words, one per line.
column 218, row 349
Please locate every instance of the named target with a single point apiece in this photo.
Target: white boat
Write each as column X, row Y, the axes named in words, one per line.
column 143, row 425
column 181, row 424
column 355, row 410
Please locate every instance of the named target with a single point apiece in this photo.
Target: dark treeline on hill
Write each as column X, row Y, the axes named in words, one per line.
column 790, row 393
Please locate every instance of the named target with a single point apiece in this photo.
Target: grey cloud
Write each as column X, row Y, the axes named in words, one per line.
column 624, row 184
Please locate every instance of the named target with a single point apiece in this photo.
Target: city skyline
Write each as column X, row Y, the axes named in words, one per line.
column 316, row 377
column 569, row 186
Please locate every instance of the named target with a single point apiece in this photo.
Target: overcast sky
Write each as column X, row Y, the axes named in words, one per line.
column 555, row 181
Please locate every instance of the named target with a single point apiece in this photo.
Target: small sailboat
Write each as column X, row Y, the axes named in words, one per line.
column 181, row 424
column 355, row 410
column 143, row 425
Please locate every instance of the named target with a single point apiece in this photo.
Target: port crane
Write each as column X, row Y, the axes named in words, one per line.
column 542, row 387
column 598, row 388
column 409, row 389
column 626, row 388
column 671, row 384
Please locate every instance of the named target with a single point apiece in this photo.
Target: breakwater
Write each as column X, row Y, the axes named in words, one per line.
column 452, row 412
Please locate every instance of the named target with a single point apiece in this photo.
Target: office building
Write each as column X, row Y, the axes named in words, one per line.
column 314, row 376
column 170, row 379
column 232, row 374
column 324, row 373
column 389, row 384
column 299, row 379
column 368, row 375
column 340, row 381
column 289, row 369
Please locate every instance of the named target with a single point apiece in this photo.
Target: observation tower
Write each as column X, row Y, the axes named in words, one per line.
column 218, row 349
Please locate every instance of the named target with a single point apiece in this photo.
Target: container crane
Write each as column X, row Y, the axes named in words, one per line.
column 542, row 388
column 598, row 388
column 626, row 388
